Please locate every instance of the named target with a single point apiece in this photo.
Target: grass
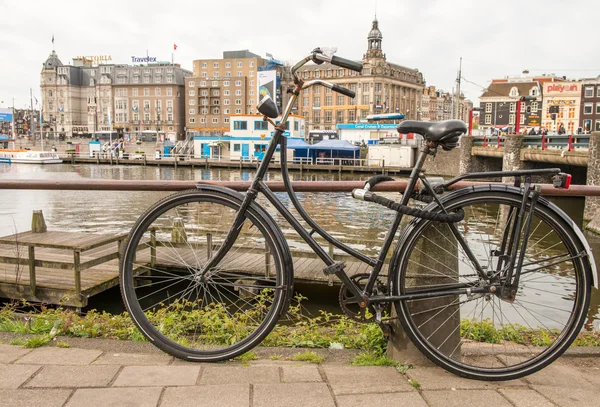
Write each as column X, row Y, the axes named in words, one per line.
column 373, row 359
column 309, row 356
column 246, row 358
column 414, row 383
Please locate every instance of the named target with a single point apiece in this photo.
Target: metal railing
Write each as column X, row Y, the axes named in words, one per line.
column 548, row 142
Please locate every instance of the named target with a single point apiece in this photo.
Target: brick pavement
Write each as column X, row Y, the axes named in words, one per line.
column 70, row 377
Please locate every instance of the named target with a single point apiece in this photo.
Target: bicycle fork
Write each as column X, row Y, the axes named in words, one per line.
column 514, row 242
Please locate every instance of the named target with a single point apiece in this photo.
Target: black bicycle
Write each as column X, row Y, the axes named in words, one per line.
column 490, row 281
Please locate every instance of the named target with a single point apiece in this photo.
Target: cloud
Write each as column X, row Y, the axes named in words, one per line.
column 494, row 38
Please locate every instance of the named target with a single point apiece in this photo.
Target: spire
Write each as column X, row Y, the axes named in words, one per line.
column 374, row 40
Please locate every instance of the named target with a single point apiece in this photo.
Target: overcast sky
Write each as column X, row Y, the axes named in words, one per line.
column 495, row 38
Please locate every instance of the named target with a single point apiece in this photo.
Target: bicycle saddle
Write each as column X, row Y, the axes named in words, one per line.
column 446, row 132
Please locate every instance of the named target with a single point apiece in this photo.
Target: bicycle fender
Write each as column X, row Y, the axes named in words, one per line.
column 286, row 255
column 513, row 190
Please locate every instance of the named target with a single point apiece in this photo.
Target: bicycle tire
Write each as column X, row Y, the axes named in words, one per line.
column 222, row 321
column 511, row 352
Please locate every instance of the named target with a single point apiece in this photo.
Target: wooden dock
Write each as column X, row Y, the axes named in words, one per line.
column 69, row 267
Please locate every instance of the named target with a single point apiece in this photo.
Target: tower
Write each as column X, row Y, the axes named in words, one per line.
column 374, row 40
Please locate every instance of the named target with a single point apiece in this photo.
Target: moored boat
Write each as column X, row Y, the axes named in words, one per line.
column 29, row 157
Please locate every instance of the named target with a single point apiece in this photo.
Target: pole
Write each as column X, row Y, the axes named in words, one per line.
column 518, row 117
column 13, row 122
column 41, row 130
column 458, row 110
column 471, row 122
column 31, row 122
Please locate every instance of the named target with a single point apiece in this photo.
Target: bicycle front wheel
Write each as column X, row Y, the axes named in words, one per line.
column 197, row 314
column 490, row 336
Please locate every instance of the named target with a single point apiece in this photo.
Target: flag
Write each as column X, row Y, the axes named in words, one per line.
column 269, row 55
column 52, row 39
column 174, row 47
column 36, row 101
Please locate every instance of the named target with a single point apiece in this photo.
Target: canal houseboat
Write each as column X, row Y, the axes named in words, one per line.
column 29, row 157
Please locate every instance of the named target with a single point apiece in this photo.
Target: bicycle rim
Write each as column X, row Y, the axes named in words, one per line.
column 484, row 336
column 200, row 316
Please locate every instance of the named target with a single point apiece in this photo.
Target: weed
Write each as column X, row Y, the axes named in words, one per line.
column 373, row 359
column 37, row 341
column 246, row 358
column 308, row 356
column 276, row 357
column 63, row 345
column 17, row 341
column 414, row 383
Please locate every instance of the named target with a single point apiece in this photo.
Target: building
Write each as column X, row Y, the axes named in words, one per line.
column 499, row 104
column 566, row 98
column 229, row 86
column 91, row 96
column 246, row 138
column 383, row 87
column 590, row 105
column 366, row 133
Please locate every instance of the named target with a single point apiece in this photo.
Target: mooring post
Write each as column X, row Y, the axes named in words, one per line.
column 32, row 286
column 38, row 224
column 592, row 203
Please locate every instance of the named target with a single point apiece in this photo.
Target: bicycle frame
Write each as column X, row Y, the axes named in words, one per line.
column 365, row 296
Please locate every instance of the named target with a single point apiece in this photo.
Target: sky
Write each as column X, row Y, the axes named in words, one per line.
column 494, row 38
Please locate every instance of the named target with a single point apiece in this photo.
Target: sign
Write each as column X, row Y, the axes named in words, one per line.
column 138, row 60
column 266, row 85
column 6, row 115
column 369, row 126
column 562, row 88
column 94, row 59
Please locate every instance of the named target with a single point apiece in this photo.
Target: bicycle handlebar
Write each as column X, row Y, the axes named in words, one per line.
column 346, row 63
column 343, row 91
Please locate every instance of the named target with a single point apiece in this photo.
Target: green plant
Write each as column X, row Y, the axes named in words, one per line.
column 37, row 341
column 63, row 345
column 17, row 341
column 373, row 359
column 414, row 383
column 247, row 357
column 308, row 356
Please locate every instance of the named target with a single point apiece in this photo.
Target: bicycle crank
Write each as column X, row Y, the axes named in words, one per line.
column 349, row 304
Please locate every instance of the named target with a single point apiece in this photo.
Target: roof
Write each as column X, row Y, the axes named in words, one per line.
column 52, row 61
column 502, row 89
column 375, row 34
column 341, row 145
column 297, row 143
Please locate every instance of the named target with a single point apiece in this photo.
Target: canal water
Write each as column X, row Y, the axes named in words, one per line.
column 361, row 225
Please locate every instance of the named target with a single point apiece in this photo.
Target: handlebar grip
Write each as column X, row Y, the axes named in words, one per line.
column 343, row 91
column 346, row 63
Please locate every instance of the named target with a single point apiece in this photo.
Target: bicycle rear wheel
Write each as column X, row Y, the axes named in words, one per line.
column 200, row 316
column 486, row 336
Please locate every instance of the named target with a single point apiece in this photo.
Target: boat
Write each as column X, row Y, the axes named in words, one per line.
column 29, row 157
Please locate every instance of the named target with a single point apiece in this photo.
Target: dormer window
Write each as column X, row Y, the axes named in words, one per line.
column 514, row 92
column 534, row 91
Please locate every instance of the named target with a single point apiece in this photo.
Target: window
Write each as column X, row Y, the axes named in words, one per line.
column 238, row 92
column 216, row 92
column 317, row 74
column 305, row 101
column 352, row 87
column 316, row 101
column 215, row 83
column 251, row 101
column 216, row 102
column 236, row 148
column 251, row 74
column 513, row 107
column 598, row 93
column 365, row 100
column 239, row 64
column 238, row 101
column 251, row 92
column 225, row 83
column 191, row 84
column 240, row 73
column 227, row 64
column 193, row 102
column 135, row 91
column 204, row 74
column 146, row 91
column 316, row 116
column 328, row 101
column 295, row 126
column 351, row 116
column 226, row 102
column 192, row 120
column 488, row 108
column 238, row 111
column 240, row 125
column 251, row 64
column 216, row 110
column 511, row 119
column 522, row 119
column 169, row 78
column 597, row 125
column 203, row 83
column 534, row 91
column 238, row 83
column 226, row 120
column 261, row 125
column 192, row 111
column 588, row 108
column 203, row 64
column 251, row 83
column 534, row 107
column 328, row 73
column 589, row 92
column 365, row 87
column 191, row 93
column 204, row 92
column 228, row 74
column 340, row 101
column 215, row 64
column 378, row 87
column 597, row 108
column 225, row 111
column 328, row 116
column 339, row 116
column 514, row 92
column 571, row 113
column 488, row 118
column 146, row 104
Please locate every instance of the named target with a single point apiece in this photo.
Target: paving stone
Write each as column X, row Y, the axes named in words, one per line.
column 383, row 399
column 461, row 398
column 116, row 397
column 566, row 397
column 293, row 374
column 435, row 378
column 239, row 374
column 133, row 359
column 74, row 376
column 366, row 379
column 9, row 353
column 158, row 376
column 12, row 376
column 560, row 375
column 224, row 395
column 60, row 356
column 525, row 398
column 592, row 375
column 32, row 398
column 293, row 395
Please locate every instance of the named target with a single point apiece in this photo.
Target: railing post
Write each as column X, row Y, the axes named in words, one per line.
column 543, row 142
column 498, row 144
column 32, row 285
column 485, row 140
column 570, row 145
column 208, row 246
column 77, row 273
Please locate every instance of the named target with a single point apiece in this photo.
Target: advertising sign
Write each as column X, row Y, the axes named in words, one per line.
column 266, row 85
column 6, row 115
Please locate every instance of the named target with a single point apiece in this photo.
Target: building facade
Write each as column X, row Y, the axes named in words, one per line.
column 566, row 98
column 228, row 86
column 383, row 87
column 590, row 105
column 82, row 99
column 499, row 105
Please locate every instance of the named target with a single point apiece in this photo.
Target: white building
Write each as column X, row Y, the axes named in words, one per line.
column 566, row 97
column 247, row 138
column 367, row 133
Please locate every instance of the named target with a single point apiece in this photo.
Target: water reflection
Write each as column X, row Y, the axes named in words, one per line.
column 362, row 225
